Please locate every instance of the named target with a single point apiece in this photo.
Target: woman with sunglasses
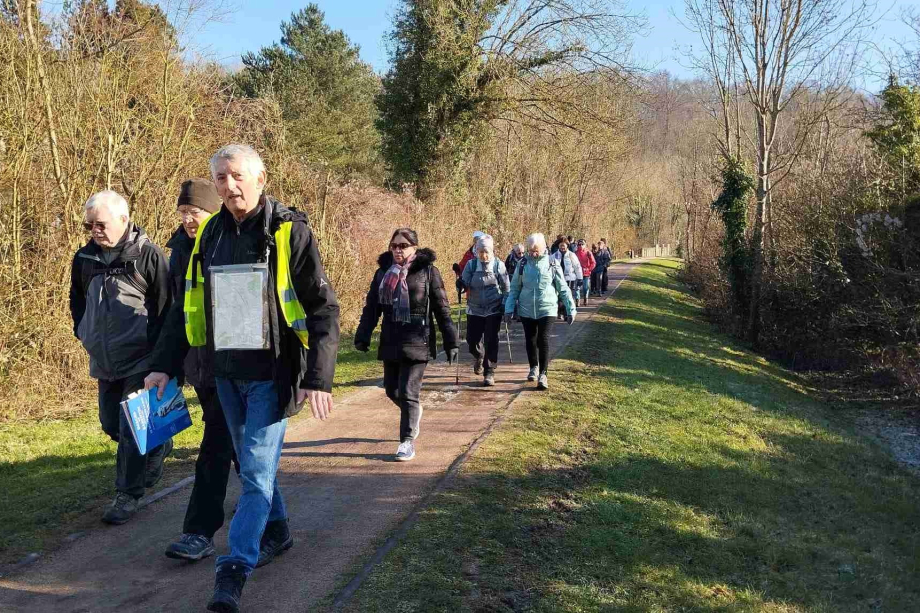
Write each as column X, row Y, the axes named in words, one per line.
column 407, row 290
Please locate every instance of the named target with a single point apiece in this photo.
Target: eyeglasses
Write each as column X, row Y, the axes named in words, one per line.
column 191, row 212
column 400, row 246
column 89, row 227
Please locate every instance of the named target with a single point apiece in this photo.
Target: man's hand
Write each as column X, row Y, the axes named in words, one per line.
column 362, row 346
column 453, row 355
column 320, row 402
column 157, row 380
column 570, row 319
column 509, row 317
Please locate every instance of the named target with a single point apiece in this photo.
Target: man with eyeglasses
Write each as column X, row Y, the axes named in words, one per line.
column 197, row 200
column 119, row 296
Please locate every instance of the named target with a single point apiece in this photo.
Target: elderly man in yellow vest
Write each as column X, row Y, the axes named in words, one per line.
column 257, row 297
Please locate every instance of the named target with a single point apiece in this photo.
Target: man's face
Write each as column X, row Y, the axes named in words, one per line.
column 563, row 247
column 238, row 188
column 536, row 250
column 105, row 228
column 519, row 249
column 192, row 217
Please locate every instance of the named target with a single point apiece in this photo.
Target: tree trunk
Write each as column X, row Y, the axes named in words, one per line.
column 758, row 232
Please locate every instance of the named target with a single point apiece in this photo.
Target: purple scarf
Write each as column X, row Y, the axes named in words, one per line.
column 395, row 291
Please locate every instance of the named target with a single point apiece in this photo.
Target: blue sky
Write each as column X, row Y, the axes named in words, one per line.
column 251, row 24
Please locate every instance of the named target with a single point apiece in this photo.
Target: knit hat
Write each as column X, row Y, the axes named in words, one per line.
column 200, row 193
column 478, row 234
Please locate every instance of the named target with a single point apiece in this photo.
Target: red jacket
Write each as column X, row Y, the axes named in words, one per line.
column 464, row 260
column 586, row 258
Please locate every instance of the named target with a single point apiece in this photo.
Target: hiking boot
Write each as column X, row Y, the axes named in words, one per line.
column 477, row 366
column 228, row 589
column 155, row 464
column 489, row 379
column 542, row 383
column 532, row 375
column 405, row 451
column 192, row 547
column 276, row 539
column 121, row 510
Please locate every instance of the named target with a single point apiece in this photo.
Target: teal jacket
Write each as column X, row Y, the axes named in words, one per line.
column 537, row 287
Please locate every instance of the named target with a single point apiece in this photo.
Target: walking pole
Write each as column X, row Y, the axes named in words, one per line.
column 508, row 339
column 459, row 333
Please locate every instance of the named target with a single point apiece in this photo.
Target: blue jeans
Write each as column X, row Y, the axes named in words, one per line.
column 251, row 408
column 585, row 287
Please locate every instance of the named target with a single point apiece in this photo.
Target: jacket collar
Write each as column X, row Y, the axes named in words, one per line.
column 130, row 247
column 424, row 257
column 179, row 238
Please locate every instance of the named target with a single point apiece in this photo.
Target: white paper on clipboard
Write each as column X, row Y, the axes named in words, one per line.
column 239, row 303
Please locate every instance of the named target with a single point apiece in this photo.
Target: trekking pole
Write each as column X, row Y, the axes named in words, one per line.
column 459, row 333
column 508, row 339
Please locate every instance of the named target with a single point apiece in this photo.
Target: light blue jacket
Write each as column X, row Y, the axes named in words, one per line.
column 486, row 287
column 537, row 288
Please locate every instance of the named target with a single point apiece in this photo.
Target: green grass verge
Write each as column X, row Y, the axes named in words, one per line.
column 665, row 470
column 52, row 472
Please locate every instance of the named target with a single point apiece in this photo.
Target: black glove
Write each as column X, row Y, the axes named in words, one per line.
column 452, row 355
column 570, row 319
column 509, row 317
column 362, row 346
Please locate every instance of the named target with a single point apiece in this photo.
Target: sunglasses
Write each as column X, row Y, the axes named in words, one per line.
column 89, row 227
column 400, row 246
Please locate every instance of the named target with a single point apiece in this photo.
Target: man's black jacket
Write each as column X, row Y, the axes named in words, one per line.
column 223, row 242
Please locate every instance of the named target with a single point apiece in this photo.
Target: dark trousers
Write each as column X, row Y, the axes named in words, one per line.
column 574, row 287
column 596, row 283
column 536, row 339
column 205, row 513
column 130, row 465
column 482, row 339
column 402, row 380
column 604, row 280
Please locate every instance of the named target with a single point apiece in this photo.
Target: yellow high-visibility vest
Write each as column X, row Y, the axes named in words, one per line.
column 294, row 315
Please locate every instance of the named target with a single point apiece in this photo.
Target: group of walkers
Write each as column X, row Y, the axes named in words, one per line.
column 144, row 319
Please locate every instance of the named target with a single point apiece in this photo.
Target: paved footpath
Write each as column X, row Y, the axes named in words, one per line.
column 344, row 494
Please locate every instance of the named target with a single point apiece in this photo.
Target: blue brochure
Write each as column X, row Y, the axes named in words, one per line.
column 154, row 421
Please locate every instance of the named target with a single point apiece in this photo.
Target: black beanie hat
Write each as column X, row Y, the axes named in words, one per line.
column 200, row 193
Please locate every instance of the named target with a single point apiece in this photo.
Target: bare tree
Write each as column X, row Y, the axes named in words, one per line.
column 784, row 52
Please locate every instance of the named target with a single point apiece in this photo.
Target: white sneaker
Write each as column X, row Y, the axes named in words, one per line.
column 532, row 375
column 405, row 451
column 543, row 384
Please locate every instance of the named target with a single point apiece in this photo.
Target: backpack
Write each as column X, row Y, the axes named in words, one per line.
column 494, row 266
column 552, row 262
column 92, row 266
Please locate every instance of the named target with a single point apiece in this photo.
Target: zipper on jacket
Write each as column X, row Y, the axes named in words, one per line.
column 105, row 328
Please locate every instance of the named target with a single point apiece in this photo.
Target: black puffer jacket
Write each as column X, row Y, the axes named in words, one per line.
column 411, row 341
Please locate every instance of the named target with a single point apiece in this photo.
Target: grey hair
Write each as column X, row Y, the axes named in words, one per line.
column 235, row 151
column 111, row 200
column 485, row 242
column 521, row 245
column 536, row 238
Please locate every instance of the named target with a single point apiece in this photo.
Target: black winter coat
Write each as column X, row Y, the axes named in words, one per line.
column 411, row 341
column 289, row 365
column 197, row 367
